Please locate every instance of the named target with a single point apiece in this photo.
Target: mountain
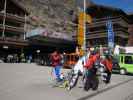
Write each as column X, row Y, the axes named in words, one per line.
column 54, row 15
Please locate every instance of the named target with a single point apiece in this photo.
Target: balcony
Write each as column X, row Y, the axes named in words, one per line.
column 102, row 22
column 111, row 18
column 14, row 18
column 13, row 41
column 103, row 33
column 12, row 29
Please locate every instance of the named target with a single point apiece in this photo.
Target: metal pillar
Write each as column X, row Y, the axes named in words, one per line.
column 4, row 19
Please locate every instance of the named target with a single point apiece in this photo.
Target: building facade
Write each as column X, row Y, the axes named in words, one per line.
column 97, row 32
column 130, row 30
column 13, row 28
column 12, row 33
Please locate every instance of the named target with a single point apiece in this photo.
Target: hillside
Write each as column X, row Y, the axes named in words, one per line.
column 54, row 15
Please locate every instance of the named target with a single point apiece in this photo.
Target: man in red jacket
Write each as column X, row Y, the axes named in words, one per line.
column 56, row 63
column 107, row 62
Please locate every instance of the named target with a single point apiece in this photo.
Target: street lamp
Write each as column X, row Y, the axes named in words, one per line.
column 38, row 51
column 5, row 47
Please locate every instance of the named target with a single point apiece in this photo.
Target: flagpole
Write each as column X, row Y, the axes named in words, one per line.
column 84, row 43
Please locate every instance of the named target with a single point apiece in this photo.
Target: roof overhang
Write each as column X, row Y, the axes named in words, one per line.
column 13, row 42
column 47, row 41
column 102, row 10
column 18, row 4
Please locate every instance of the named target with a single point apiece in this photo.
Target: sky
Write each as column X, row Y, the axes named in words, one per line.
column 125, row 5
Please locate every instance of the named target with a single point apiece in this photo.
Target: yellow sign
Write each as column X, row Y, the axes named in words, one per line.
column 88, row 19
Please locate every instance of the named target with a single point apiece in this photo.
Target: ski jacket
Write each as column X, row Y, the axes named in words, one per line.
column 108, row 64
column 91, row 60
column 55, row 59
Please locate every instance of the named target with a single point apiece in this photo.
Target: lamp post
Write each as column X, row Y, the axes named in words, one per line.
column 38, row 51
column 84, row 25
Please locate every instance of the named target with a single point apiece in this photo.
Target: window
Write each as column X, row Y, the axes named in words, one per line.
column 122, row 59
column 128, row 60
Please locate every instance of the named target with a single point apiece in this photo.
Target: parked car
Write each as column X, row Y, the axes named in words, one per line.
column 43, row 60
column 124, row 64
column 1, row 61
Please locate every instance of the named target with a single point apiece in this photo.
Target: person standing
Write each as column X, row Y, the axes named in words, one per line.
column 108, row 64
column 56, row 63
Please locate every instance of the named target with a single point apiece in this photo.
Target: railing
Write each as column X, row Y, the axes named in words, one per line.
column 91, row 36
column 105, row 31
column 13, row 17
column 12, row 28
column 102, row 21
column 104, row 34
column 13, row 41
column 109, row 18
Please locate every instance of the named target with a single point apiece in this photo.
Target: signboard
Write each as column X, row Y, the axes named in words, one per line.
column 60, row 35
column 35, row 32
column 110, row 34
column 88, row 19
column 44, row 33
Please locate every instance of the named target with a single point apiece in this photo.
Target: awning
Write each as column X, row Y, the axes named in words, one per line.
column 44, row 33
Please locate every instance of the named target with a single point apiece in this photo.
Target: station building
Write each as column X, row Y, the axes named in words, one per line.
column 12, row 19
column 15, row 39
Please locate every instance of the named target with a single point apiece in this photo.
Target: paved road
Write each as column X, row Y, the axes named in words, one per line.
column 32, row 82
